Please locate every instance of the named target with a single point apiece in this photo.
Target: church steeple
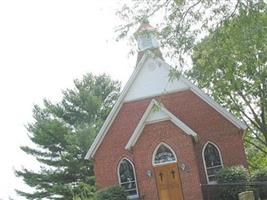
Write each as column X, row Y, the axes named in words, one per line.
column 146, row 37
column 147, row 40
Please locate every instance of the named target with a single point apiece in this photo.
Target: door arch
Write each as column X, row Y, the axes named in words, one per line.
column 163, row 154
column 167, row 173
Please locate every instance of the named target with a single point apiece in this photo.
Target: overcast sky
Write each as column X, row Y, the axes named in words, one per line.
column 44, row 45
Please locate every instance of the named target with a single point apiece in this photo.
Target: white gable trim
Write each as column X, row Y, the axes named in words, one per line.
column 158, row 94
column 215, row 105
column 153, row 80
column 229, row 116
column 112, row 115
column 154, row 104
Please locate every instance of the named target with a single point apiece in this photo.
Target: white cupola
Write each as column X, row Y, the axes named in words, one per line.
column 146, row 37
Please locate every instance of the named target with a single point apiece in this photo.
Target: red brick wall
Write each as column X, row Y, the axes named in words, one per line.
column 182, row 145
column 199, row 116
column 210, row 126
column 112, row 149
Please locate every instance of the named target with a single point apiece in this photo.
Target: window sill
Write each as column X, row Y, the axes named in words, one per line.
column 135, row 197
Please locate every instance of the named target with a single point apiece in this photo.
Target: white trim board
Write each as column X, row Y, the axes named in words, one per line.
column 112, row 115
column 154, row 113
column 152, row 80
column 215, row 105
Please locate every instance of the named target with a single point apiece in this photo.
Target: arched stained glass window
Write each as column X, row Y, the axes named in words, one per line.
column 127, row 178
column 212, row 161
column 164, row 154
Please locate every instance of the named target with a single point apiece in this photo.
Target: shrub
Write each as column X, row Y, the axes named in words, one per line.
column 261, row 176
column 233, row 181
column 84, row 192
column 112, row 193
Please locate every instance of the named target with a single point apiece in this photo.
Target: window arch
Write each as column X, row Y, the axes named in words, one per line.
column 163, row 154
column 212, row 161
column 127, row 177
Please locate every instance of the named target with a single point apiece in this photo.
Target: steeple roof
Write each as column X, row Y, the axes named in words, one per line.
column 145, row 26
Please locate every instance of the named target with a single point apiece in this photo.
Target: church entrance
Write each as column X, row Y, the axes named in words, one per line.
column 167, row 174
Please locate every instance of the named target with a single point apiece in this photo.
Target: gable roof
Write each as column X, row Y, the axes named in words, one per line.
column 157, row 112
column 116, row 108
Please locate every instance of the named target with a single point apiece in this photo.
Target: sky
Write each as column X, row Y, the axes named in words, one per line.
column 44, row 46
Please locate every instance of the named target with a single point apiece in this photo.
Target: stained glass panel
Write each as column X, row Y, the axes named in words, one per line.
column 127, row 178
column 164, row 154
column 213, row 161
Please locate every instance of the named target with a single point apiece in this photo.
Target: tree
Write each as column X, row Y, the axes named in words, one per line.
column 231, row 63
column 62, row 133
column 230, row 36
column 181, row 23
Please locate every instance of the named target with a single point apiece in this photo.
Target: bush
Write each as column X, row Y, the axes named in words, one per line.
column 261, row 176
column 230, row 177
column 112, row 193
column 84, row 192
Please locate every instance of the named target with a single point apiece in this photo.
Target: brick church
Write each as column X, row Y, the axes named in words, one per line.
column 164, row 139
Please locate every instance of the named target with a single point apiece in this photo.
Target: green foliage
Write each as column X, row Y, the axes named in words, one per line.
column 181, row 23
column 232, row 175
column 257, row 158
column 228, row 177
column 84, row 192
column 231, row 65
column 261, row 176
column 112, row 193
column 62, row 133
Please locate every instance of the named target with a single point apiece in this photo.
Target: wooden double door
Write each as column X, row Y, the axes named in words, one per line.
column 168, row 182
